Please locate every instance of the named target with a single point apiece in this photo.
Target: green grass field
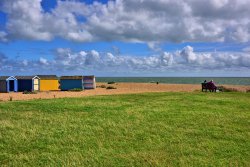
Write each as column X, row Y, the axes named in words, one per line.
column 153, row 129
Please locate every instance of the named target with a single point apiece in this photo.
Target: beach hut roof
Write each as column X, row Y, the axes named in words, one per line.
column 26, row 77
column 6, row 77
column 89, row 76
column 3, row 77
column 72, row 77
column 47, row 76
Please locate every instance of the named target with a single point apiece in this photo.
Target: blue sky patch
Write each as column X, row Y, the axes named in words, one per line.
column 3, row 19
column 48, row 5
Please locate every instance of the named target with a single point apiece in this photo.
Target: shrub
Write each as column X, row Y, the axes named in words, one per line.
column 29, row 92
column 220, row 88
column 225, row 89
column 102, row 86
column 112, row 82
column 76, row 90
column 111, row 87
column 248, row 90
column 231, row 90
column 11, row 98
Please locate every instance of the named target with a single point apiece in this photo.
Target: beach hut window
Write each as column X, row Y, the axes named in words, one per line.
column 36, row 84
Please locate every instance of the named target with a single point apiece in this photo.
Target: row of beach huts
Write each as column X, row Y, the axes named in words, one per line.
column 45, row 83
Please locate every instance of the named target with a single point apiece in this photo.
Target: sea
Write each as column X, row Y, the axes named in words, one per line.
column 178, row 80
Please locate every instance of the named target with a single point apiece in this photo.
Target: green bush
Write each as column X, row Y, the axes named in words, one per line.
column 225, row 89
column 29, row 92
column 111, row 87
column 112, row 82
column 220, row 88
column 76, row 90
column 102, row 86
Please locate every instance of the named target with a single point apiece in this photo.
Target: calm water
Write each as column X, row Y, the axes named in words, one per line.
column 178, row 80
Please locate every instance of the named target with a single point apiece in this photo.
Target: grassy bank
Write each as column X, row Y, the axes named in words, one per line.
column 157, row 129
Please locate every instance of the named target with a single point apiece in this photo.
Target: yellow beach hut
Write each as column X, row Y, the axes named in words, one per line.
column 48, row 82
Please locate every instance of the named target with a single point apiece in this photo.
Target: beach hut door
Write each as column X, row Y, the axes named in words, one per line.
column 11, row 85
column 36, row 85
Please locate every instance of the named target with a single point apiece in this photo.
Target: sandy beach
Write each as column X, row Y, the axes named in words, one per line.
column 121, row 88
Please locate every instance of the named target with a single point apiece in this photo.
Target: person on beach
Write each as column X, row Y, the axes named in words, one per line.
column 212, row 82
column 211, row 86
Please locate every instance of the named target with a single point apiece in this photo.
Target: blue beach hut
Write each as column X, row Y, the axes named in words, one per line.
column 28, row 83
column 71, row 82
column 8, row 84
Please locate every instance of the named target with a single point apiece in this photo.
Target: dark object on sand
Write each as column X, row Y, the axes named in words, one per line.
column 29, row 92
column 111, row 87
column 112, row 82
column 102, row 86
column 208, row 86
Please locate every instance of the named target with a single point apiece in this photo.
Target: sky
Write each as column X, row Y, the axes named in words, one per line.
column 181, row 38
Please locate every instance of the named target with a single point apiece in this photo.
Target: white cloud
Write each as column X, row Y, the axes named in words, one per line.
column 43, row 61
column 185, row 59
column 182, row 61
column 154, row 46
column 188, row 54
column 216, row 60
column 3, row 58
column 167, row 59
column 25, row 63
column 3, row 37
column 92, row 58
column 27, row 20
column 246, row 49
column 129, row 20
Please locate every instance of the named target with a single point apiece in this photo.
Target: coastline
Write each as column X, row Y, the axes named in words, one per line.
column 121, row 88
